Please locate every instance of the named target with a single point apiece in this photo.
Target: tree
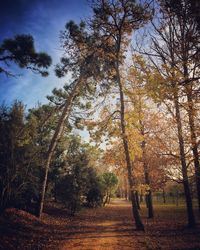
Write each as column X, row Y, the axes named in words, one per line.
column 109, row 182
column 188, row 53
column 19, row 170
column 114, row 23
column 81, row 62
column 21, row 51
column 72, row 175
column 78, row 182
column 167, row 75
column 136, row 92
column 92, row 56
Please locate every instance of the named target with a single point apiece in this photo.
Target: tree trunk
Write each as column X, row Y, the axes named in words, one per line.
column 150, row 205
column 149, row 195
column 137, row 199
column 194, row 143
column 126, row 188
column 54, row 140
column 190, row 213
column 146, row 176
column 136, row 214
column 164, row 196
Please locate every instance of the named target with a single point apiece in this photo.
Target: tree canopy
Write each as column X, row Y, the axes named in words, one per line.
column 21, row 51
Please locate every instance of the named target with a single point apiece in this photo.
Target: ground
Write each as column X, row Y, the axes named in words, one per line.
column 106, row 228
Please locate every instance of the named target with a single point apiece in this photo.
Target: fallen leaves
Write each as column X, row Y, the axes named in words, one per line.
column 106, row 228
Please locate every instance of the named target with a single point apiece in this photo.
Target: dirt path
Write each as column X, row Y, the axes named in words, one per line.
column 108, row 228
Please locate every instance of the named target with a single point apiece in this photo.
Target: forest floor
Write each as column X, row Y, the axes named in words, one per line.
column 106, row 228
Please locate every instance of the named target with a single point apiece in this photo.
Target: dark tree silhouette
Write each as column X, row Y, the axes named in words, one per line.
column 21, row 51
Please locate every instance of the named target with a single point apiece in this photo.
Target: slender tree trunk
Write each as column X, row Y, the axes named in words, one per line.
column 137, row 200
column 190, row 213
column 54, row 141
column 146, row 175
column 147, row 181
column 136, row 214
column 177, row 198
column 126, row 188
column 150, row 205
column 164, row 196
column 194, row 143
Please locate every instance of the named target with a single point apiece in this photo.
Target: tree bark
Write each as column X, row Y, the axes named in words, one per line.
column 126, row 191
column 164, row 196
column 146, row 173
column 136, row 214
column 54, row 140
column 150, row 205
column 137, row 200
column 147, row 181
column 188, row 199
column 194, row 143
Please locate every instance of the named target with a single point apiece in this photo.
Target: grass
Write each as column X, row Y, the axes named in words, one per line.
column 168, row 229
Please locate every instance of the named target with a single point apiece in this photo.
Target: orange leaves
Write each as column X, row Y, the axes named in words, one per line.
column 115, row 156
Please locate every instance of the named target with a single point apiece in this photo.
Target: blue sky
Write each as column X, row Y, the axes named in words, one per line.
column 43, row 19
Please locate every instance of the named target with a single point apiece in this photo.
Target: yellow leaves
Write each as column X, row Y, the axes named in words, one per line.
column 90, row 124
column 134, row 140
column 141, row 189
column 139, row 60
column 115, row 156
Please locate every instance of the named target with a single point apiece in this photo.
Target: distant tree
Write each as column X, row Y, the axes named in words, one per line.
column 21, row 51
column 78, row 181
column 95, row 196
column 18, row 174
column 109, row 182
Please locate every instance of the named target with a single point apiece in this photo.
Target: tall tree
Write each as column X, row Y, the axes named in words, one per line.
column 97, row 55
column 81, row 61
column 187, row 34
column 114, row 23
column 167, row 65
column 136, row 92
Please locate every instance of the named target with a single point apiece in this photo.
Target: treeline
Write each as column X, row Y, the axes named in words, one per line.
column 73, row 177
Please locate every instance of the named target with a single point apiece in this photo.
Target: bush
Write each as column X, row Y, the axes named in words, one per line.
column 94, row 197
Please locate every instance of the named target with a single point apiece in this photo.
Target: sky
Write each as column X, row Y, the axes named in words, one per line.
column 43, row 19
